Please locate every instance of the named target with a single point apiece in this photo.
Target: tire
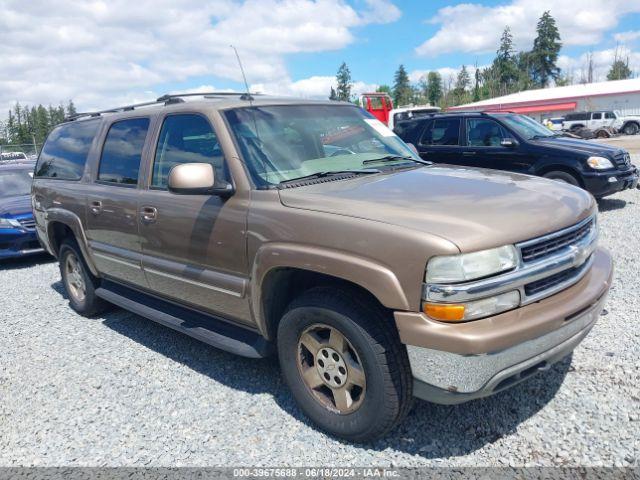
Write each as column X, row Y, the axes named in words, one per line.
column 78, row 281
column 563, row 177
column 378, row 376
column 631, row 128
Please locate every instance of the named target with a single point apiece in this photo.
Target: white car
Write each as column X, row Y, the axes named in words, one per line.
column 12, row 157
column 405, row 113
column 627, row 124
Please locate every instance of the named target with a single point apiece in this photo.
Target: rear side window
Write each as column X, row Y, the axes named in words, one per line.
column 443, row 131
column 596, row 116
column 609, row 115
column 122, row 151
column 65, row 152
column 186, row 138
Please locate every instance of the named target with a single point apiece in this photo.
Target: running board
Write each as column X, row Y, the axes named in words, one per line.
column 206, row 328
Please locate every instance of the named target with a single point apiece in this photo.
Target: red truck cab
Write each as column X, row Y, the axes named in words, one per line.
column 379, row 104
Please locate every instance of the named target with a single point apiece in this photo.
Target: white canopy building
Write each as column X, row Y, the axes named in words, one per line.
column 620, row 95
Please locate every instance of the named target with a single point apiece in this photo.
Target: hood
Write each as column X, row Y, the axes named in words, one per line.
column 473, row 208
column 15, row 205
column 576, row 145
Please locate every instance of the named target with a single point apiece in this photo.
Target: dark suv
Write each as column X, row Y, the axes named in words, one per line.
column 507, row 141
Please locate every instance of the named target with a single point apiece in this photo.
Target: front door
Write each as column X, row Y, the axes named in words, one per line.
column 484, row 138
column 194, row 246
column 112, row 203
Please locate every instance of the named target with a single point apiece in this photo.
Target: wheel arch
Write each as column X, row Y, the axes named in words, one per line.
column 282, row 272
column 561, row 168
column 63, row 224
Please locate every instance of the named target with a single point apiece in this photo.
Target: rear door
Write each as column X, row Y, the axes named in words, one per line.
column 112, row 202
column 440, row 141
column 194, row 246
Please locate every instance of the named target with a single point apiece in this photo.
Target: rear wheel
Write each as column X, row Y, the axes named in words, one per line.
column 563, row 177
column 78, row 281
column 343, row 361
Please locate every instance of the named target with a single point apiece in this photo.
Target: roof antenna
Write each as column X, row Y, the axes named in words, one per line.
column 246, row 96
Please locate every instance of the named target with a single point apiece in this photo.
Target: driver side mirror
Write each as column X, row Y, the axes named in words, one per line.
column 509, row 142
column 197, row 179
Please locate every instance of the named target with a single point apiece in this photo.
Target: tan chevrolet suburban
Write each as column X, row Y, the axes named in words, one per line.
column 262, row 225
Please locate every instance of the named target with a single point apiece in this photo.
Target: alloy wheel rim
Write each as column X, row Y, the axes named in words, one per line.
column 331, row 369
column 75, row 280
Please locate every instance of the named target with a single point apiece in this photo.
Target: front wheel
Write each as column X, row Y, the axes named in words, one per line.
column 343, row 361
column 563, row 177
column 631, row 129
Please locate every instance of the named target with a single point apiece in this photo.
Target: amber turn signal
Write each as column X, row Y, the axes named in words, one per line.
column 444, row 312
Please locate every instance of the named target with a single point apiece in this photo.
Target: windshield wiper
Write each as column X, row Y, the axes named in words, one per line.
column 395, row 158
column 328, row 173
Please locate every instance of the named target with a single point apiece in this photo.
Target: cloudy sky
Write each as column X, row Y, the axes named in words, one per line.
column 104, row 53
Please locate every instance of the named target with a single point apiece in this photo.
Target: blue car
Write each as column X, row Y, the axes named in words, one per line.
column 17, row 226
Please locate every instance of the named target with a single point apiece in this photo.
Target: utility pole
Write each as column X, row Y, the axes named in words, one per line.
column 35, row 146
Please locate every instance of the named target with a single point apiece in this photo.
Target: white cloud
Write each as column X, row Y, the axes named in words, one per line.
column 448, row 74
column 103, row 52
column 577, row 67
column 312, row 87
column 627, row 37
column 474, row 28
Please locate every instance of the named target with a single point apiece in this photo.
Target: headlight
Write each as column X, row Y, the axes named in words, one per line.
column 599, row 163
column 469, row 266
column 485, row 307
column 9, row 223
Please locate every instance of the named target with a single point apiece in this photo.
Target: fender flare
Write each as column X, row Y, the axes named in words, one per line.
column 376, row 278
column 71, row 220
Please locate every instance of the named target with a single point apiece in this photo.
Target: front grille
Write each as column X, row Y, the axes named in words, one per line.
column 550, row 282
column 622, row 160
column 28, row 223
column 551, row 246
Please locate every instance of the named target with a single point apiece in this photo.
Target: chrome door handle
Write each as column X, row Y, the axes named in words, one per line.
column 96, row 207
column 148, row 214
column 468, row 153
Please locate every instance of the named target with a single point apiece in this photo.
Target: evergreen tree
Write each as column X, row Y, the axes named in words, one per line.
column 505, row 68
column 619, row 69
column 463, row 82
column 71, row 109
column 402, row 91
column 434, row 88
column 333, row 96
column 343, row 79
column 544, row 54
column 384, row 89
column 476, row 86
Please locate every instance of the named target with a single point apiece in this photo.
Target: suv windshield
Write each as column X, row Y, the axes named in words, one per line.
column 285, row 142
column 526, row 127
column 15, row 182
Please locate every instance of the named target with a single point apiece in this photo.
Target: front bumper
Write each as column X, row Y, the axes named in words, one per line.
column 454, row 363
column 604, row 184
column 18, row 243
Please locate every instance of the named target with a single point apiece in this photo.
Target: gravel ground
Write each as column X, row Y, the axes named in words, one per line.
column 121, row 390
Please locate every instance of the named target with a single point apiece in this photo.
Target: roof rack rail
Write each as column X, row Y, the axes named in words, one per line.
column 167, row 99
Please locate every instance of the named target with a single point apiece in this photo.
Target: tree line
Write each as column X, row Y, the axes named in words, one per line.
column 509, row 72
column 28, row 125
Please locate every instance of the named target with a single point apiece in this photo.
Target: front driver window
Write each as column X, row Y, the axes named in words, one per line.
column 482, row 132
column 186, row 138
